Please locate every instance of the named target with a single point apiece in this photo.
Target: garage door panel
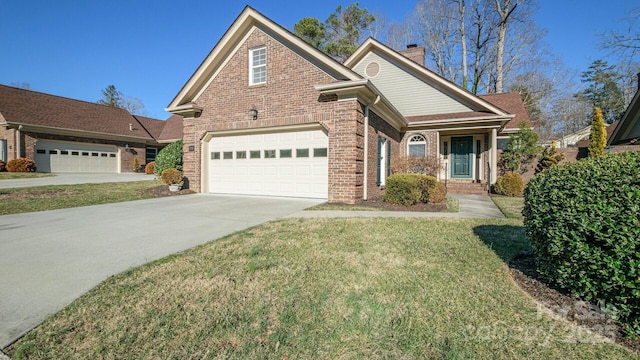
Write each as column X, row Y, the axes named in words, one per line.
column 59, row 156
column 285, row 175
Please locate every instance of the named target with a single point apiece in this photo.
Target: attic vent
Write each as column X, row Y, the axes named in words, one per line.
column 372, row 69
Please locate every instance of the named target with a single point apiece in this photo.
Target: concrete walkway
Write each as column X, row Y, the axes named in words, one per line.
column 50, row 258
column 73, row 178
column 470, row 206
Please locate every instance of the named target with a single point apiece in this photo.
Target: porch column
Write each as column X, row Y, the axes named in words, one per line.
column 494, row 155
column 439, row 177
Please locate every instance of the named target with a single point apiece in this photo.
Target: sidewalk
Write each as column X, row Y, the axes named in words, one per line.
column 470, row 206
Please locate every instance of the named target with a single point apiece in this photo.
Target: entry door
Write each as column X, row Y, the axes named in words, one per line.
column 461, row 157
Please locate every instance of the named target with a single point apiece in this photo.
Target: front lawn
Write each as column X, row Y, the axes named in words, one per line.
column 21, row 200
column 19, row 175
column 511, row 207
column 323, row 288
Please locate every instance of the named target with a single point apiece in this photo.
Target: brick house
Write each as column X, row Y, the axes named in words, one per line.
column 67, row 135
column 267, row 114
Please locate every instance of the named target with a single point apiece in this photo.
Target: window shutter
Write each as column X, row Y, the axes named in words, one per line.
column 378, row 164
column 388, row 155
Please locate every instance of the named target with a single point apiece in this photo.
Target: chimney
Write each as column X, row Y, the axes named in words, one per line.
column 414, row 53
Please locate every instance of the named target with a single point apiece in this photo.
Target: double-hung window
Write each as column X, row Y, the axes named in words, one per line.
column 258, row 65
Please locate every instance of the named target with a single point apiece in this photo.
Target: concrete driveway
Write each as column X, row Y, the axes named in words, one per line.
column 73, row 178
column 50, row 258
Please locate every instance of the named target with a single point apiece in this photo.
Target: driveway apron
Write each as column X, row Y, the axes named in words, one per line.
column 50, row 258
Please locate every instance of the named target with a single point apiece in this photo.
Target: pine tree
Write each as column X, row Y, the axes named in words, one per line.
column 550, row 157
column 598, row 135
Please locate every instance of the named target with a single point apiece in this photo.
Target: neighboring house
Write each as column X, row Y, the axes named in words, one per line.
column 67, row 135
column 626, row 136
column 574, row 138
column 267, row 114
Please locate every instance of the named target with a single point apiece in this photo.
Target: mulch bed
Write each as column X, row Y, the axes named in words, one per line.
column 163, row 190
column 589, row 316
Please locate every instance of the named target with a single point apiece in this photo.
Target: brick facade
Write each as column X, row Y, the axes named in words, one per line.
column 287, row 98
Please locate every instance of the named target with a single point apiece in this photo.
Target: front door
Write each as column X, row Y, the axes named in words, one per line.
column 461, row 157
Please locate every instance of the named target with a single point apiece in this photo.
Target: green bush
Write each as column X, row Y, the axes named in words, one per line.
column 402, row 189
column 169, row 157
column 583, row 220
column 409, row 189
column 21, row 165
column 171, row 176
column 509, row 184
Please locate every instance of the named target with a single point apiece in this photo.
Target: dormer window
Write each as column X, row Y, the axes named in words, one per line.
column 258, row 65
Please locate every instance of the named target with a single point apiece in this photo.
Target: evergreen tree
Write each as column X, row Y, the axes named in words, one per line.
column 603, row 91
column 598, row 135
column 311, row 30
column 550, row 157
column 521, row 150
column 111, row 97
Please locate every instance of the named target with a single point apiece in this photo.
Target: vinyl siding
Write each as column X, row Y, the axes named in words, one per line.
column 410, row 95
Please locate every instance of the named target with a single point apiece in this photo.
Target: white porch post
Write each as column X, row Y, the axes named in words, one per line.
column 438, row 154
column 494, row 155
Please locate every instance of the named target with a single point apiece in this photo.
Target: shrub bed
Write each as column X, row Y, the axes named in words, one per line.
column 583, row 220
column 21, row 165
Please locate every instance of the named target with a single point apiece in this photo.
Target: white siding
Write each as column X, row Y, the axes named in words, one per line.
column 409, row 94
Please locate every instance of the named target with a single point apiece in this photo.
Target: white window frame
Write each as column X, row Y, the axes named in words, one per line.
column 417, row 139
column 253, row 66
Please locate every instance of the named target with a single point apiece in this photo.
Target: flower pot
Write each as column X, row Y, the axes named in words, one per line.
column 175, row 187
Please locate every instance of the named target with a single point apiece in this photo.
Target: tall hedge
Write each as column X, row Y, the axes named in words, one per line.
column 583, row 220
column 169, row 157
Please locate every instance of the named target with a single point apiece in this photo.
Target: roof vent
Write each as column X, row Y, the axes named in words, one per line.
column 412, row 46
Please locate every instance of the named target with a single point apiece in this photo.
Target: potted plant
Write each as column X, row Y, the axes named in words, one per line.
column 136, row 165
column 173, row 178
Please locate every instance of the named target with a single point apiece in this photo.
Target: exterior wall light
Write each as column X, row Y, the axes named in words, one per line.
column 254, row 113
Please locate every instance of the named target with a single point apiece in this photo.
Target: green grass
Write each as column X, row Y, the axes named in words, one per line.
column 322, row 288
column 41, row 198
column 511, row 207
column 14, row 175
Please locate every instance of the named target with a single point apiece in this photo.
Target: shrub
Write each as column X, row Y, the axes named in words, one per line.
column 169, row 157
column 429, row 165
column 509, row 184
column 171, row 176
column 136, row 165
column 3, row 166
column 402, row 189
column 21, row 165
column 550, row 157
column 583, row 220
column 148, row 169
column 438, row 193
column 409, row 189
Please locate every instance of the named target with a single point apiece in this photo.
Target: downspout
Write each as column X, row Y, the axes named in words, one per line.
column 18, row 147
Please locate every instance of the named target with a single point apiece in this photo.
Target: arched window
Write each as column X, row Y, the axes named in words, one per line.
column 417, row 146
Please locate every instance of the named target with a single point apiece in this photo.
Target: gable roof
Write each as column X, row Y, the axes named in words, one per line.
column 630, row 120
column 55, row 114
column 510, row 102
column 249, row 19
column 371, row 45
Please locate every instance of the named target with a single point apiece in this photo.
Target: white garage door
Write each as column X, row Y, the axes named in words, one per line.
column 277, row 164
column 58, row 156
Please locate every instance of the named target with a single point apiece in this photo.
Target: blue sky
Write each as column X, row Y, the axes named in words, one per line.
column 149, row 48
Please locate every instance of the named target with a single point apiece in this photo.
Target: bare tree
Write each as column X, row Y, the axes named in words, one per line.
column 463, row 41
column 505, row 10
column 401, row 34
column 625, row 43
column 437, row 25
column 21, row 85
